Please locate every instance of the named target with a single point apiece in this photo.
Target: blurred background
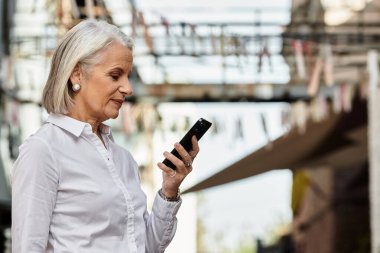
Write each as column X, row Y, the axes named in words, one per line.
column 292, row 162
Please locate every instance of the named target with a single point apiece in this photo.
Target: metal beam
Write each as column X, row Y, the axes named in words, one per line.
column 224, row 93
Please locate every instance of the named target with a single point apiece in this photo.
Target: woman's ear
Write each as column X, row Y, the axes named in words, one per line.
column 76, row 75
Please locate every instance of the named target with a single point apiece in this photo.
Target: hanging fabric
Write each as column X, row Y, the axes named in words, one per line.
column 222, row 42
column 309, row 58
column 373, row 70
column 186, row 125
column 6, row 72
column 180, row 38
column 244, row 45
column 346, row 97
column 285, row 120
column 299, row 116
column 147, row 37
column 149, row 118
column 337, row 105
column 299, row 57
column 128, row 120
column 214, row 126
column 264, row 52
column 318, row 108
column 239, row 134
column 236, row 49
column 194, row 38
column 214, row 42
column 363, row 85
column 165, row 23
column 315, row 77
column 265, row 130
column 134, row 20
column 90, row 9
column 328, row 65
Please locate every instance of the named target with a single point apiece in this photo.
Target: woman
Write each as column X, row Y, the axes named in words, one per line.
column 73, row 188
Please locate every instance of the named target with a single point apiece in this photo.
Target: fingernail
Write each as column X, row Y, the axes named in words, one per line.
column 166, row 153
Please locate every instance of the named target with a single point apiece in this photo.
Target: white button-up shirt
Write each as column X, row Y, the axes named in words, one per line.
column 70, row 193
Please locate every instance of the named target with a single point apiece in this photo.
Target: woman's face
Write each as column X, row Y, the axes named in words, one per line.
column 106, row 85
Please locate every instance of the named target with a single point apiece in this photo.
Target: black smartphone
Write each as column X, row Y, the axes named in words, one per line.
column 198, row 129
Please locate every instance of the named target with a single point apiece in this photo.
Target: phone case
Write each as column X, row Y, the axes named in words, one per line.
column 198, row 129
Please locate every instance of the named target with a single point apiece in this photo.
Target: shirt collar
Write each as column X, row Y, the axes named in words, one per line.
column 74, row 126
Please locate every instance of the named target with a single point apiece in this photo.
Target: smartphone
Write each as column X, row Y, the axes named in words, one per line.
column 198, row 129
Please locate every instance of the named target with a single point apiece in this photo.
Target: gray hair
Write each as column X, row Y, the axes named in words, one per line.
column 80, row 46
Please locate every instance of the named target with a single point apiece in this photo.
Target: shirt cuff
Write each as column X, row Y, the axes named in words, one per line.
column 165, row 210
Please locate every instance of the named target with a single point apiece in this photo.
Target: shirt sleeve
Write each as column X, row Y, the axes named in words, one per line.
column 161, row 224
column 34, row 189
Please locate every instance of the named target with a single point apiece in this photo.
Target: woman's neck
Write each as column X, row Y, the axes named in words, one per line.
column 85, row 118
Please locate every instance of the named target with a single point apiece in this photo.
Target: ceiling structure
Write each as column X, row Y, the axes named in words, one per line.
column 247, row 56
column 219, row 60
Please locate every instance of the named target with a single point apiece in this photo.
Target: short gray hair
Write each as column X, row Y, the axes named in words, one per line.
column 80, row 46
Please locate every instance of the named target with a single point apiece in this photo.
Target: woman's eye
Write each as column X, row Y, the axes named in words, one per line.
column 115, row 77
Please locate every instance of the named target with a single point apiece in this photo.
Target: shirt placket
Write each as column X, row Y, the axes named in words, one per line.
column 107, row 156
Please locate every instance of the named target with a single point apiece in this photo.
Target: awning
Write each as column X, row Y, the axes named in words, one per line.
column 338, row 142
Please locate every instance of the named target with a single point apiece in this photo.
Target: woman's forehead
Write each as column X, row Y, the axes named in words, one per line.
column 116, row 54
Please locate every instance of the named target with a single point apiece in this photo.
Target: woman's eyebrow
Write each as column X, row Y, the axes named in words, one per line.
column 118, row 69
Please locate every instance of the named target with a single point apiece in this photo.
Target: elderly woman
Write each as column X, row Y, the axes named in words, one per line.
column 73, row 188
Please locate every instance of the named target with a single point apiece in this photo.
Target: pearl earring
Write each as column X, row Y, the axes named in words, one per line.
column 76, row 86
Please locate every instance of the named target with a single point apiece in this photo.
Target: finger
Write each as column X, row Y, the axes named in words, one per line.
column 169, row 171
column 195, row 147
column 186, row 158
column 175, row 160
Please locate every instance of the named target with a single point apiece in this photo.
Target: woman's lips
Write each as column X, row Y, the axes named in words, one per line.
column 119, row 102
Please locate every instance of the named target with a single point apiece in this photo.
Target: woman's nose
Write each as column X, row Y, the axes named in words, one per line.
column 126, row 88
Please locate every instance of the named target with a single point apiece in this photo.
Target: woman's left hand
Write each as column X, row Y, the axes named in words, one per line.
column 172, row 179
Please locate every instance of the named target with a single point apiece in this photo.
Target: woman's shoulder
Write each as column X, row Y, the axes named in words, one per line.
column 44, row 137
column 38, row 140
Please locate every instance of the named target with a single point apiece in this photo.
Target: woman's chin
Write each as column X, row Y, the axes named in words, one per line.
column 114, row 115
column 111, row 114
